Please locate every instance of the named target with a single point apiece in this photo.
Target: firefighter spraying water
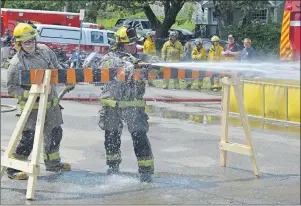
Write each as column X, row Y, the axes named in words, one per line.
column 122, row 101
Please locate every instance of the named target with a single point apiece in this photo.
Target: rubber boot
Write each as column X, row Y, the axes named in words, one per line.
column 60, row 168
column 113, row 170
column 146, row 177
column 16, row 174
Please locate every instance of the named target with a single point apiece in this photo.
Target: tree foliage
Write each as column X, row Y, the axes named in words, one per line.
column 95, row 8
column 265, row 37
column 35, row 5
column 223, row 8
column 171, row 10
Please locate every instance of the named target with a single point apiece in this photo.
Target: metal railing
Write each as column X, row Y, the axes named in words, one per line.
column 263, row 117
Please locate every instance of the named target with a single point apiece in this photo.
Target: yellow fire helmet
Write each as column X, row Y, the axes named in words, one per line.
column 23, row 32
column 215, row 38
column 126, row 35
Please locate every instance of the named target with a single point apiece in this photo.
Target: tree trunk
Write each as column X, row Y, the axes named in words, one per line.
column 171, row 15
column 220, row 20
column 221, row 28
column 171, row 11
column 151, row 17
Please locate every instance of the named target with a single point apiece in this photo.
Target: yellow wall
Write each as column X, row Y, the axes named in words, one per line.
column 274, row 100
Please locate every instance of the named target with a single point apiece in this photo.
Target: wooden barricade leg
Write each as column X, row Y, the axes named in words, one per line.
column 33, row 168
column 39, row 133
column 234, row 147
column 5, row 159
column 225, row 116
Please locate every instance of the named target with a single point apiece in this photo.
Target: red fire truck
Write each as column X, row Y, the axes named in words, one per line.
column 290, row 32
column 11, row 17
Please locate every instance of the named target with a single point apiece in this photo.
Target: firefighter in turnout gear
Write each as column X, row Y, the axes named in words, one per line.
column 215, row 54
column 149, row 48
column 123, row 101
column 172, row 51
column 31, row 55
column 198, row 54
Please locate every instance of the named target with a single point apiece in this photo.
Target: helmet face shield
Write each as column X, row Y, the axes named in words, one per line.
column 26, row 36
column 126, row 35
column 131, row 33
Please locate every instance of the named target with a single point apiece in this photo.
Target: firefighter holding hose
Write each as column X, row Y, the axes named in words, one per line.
column 198, row 54
column 149, row 48
column 215, row 54
column 123, row 101
column 31, row 55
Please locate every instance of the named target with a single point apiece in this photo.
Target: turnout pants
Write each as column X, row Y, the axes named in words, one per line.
column 51, row 146
column 111, row 120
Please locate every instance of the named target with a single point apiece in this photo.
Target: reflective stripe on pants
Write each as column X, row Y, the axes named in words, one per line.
column 146, row 163
column 51, row 156
column 113, row 157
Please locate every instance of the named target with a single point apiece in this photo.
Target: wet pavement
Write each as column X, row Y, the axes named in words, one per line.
column 187, row 167
column 185, row 141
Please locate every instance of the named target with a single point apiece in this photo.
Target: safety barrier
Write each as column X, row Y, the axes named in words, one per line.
column 272, row 100
column 41, row 85
column 74, row 76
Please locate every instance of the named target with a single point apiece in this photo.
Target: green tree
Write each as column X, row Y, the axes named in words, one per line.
column 188, row 10
column 224, row 8
column 171, row 10
column 265, row 37
column 2, row 3
column 35, row 5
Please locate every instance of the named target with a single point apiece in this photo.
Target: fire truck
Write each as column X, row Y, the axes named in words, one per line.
column 11, row 17
column 290, row 32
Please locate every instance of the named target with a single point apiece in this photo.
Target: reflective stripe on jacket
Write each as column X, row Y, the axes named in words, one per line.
column 23, row 99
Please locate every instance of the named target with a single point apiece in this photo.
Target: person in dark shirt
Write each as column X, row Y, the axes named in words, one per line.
column 248, row 54
column 231, row 50
column 6, row 39
column 5, row 46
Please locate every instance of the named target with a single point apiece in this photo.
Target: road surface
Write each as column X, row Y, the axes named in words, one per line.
column 187, row 164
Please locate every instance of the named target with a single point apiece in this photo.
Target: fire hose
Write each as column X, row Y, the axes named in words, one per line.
column 158, row 99
column 8, row 108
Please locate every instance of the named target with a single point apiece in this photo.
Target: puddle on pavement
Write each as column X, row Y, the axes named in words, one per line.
column 291, row 130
